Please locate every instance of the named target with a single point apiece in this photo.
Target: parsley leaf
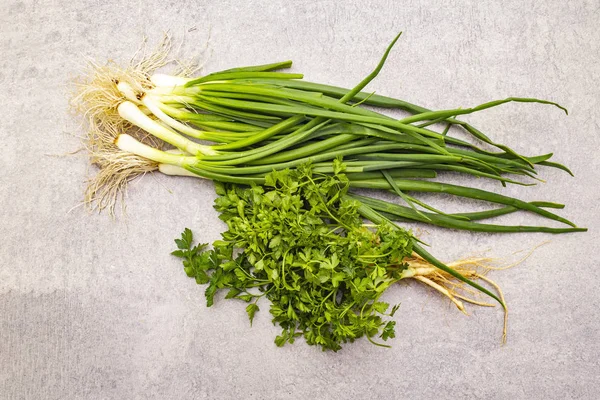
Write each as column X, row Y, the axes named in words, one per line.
column 300, row 244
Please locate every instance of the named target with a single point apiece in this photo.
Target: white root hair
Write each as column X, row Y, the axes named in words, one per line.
column 96, row 97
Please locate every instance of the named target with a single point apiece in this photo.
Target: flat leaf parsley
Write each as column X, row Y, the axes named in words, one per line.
column 299, row 242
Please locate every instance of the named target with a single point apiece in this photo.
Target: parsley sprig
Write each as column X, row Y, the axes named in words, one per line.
column 301, row 243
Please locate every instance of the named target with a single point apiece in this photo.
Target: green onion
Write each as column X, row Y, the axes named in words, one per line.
column 257, row 120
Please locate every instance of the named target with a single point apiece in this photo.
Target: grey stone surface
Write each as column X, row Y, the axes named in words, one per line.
column 96, row 308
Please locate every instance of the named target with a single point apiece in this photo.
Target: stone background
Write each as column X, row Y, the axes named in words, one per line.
column 96, row 308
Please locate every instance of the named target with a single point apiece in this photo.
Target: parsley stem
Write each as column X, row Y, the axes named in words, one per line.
column 377, row 218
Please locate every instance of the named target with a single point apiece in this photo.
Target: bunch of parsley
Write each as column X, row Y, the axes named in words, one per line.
column 301, row 243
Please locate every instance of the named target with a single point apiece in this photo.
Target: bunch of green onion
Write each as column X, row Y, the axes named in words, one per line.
column 256, row 120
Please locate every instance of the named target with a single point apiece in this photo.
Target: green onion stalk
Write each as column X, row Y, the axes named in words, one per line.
column 240, row 124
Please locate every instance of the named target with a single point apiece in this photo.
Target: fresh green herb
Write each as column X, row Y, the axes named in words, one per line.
column 295, row 233
column 302, row 244
column 300, row 241
column 258, row 120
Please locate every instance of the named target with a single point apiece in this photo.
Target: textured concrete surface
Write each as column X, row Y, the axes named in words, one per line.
column 96, row 308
